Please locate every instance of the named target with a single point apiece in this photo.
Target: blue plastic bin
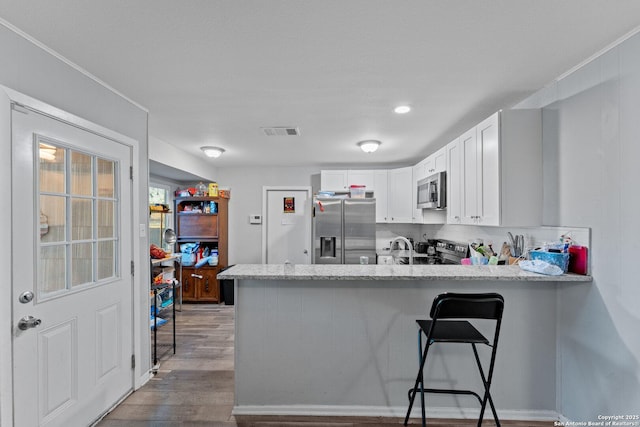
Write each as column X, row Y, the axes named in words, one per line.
column 555, row 258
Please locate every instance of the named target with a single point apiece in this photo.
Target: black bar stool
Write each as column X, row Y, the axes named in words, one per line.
column 459, row 306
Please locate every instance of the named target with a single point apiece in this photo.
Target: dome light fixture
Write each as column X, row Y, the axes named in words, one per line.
column 214, row 152
column 402, row 109
column 369, row 146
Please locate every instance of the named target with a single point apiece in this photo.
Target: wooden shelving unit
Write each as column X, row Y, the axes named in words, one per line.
column 203, row 220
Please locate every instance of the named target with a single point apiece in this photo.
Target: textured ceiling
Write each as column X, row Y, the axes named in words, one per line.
column 214, row 72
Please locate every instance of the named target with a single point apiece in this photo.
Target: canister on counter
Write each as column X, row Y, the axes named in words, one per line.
column 213, row 189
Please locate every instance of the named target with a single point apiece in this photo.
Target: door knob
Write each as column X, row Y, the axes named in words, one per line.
column 25, row 297
column 28, row 322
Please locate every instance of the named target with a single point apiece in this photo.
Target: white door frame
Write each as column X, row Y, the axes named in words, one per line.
column 7, row 96
column 265, row 189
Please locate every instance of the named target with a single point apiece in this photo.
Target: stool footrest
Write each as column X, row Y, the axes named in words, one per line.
column 447, row 391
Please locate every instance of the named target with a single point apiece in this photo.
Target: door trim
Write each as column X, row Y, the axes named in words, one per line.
column 7, row 97
column 265, row 190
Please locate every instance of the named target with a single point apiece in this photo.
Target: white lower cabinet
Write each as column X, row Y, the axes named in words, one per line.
column 497, row 178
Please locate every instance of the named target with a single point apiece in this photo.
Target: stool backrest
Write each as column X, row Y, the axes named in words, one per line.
column 470, row 306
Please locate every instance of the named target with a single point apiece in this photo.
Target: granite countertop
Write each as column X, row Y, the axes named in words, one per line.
column 391, row 272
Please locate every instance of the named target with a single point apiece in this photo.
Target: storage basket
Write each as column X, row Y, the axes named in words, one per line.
column 555, row 258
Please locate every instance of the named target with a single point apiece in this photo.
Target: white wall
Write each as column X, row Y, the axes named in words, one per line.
column 591, row 122
column 245, row 240
column 170, row 155
column 29, row 69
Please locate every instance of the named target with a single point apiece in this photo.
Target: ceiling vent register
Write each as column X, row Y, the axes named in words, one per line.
column 281, row 131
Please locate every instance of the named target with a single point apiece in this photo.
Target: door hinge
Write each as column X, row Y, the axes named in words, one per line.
column 131, row 173
column 133, row 361
column 133, row 268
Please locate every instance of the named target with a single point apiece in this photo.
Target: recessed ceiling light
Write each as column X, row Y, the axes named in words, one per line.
column 402, row 109
column 213, row 151
column 369, row 146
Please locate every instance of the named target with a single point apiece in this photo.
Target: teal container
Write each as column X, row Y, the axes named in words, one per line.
column 555, row 258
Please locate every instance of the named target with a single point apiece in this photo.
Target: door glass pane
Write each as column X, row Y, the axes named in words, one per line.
column 78, row 219
column 81, row 174
column 106, row 259
column 106, row 224
column 81, row 263
column 81, row 219
column 53, row 219
column 51, row 166
column 106, row 178
column 53, row 260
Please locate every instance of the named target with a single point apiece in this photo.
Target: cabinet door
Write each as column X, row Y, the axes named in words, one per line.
column 197, row 226
column 400, row 195
column 380, row 193
column 361, row 177
column 333, row 180
column 188, row 285
column 488, row 141
column 470, row 176
column 454, row 182
column 208, row 286
column 440, row 160
column 418, row 172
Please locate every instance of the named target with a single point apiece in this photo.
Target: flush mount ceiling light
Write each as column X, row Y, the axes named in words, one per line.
column 213, row 151
column 402, row 109
column 369, row 146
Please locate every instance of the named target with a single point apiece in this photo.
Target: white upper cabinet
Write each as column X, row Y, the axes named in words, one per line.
column 333, row 180
column 437, row 162
column 418, row 174
column 400, row 207
column 340, row 180
column 381, row 185
column 500, row 171
column 454, row 182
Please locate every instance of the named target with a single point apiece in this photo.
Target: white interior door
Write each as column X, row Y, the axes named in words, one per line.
column 71, row 201
column 287, row 226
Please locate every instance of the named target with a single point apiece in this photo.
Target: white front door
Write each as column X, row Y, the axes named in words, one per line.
column 288, row 226
column 72, row 284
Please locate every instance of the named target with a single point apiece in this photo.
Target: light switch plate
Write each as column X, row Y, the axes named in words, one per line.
column 255, row 219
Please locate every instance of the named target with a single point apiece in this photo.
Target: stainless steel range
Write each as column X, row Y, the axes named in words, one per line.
column 449, row 252
column 442, row 252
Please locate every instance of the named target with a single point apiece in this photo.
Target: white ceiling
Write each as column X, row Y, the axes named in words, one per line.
column 213, row 72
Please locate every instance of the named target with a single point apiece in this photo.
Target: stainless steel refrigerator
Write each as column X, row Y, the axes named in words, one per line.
column 344, row 230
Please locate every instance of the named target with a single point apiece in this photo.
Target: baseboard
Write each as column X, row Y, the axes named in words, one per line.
column 384, row 411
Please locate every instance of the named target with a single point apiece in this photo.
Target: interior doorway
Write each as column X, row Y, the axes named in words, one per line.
column 286, row 229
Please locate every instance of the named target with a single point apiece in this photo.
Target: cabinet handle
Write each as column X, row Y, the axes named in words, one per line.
column 206, row 285
column 186, row 285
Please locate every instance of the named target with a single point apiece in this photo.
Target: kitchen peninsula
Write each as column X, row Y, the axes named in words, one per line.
column 341, row 339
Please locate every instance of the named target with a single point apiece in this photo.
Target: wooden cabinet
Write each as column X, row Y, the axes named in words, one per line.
column 500, row 171
column 200, row 284
column 203, row 220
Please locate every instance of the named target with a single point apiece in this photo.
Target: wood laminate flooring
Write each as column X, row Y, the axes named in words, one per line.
column 195, row 386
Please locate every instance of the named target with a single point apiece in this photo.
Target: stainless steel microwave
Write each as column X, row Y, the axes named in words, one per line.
column 432, row 192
